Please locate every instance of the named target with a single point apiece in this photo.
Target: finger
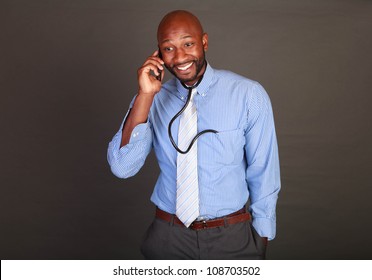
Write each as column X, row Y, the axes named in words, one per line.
column 150, row 67
column 157, row 59
column 155, row 53
column 152, row 60
column 156, row 56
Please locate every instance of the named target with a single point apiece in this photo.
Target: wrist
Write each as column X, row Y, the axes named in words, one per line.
column 145, row 97
column 145, row 93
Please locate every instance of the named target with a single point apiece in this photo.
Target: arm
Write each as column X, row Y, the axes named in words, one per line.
column 148, row 86
column 130, row 146
column 262, row 173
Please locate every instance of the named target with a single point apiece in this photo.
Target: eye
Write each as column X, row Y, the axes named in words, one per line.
column 168, row 49
column 189, row 44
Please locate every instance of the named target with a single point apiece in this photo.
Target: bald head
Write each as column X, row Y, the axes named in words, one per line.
column 182, row 45
column 176, row 18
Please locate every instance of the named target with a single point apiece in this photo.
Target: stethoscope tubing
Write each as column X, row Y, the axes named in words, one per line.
column 178, row 114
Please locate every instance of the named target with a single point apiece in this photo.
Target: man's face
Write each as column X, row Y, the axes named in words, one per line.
column 183, row 47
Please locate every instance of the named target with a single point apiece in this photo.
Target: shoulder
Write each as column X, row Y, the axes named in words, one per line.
column 238, row 82
column 252, row 91
column 169, row 87
column 228, row 76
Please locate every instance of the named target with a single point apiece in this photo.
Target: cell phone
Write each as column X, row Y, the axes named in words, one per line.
column 158, row 77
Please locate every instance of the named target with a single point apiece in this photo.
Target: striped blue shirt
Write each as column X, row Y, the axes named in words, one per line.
column 238, row 163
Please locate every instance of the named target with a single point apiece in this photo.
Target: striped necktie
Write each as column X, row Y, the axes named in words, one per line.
column 187, row 205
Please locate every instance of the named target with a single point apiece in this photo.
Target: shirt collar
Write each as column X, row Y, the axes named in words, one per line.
column 202, row 88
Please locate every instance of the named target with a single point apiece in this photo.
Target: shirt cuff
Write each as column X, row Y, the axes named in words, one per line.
column 265, row 227
column 139, row 132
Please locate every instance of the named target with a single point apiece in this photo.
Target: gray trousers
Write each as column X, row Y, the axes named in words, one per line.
column 167, row 241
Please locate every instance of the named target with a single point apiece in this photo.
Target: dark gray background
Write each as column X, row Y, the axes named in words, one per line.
column 68, row 73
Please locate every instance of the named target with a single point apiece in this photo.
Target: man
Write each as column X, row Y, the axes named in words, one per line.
column 201, row 215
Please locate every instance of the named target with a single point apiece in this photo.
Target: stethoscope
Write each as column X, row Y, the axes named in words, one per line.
column 179, row 113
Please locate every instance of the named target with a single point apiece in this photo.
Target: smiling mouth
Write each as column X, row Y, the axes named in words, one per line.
column 185, row 67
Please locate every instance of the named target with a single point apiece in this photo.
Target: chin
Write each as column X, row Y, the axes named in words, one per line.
column 190, row 79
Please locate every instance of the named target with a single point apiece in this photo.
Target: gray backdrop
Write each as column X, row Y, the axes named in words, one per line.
column 68, row 73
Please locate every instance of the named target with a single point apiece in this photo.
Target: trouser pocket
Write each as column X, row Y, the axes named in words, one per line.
column 259, row 242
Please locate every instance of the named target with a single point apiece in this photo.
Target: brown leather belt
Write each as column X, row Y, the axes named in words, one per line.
column 233, row 218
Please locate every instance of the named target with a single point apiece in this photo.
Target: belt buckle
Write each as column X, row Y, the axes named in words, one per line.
column 204, row 224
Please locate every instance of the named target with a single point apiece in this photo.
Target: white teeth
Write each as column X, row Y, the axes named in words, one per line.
column 185, row 67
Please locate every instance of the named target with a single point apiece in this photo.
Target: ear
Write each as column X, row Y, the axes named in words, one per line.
column 205, row 41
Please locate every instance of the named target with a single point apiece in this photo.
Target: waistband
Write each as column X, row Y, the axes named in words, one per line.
column 233, row 218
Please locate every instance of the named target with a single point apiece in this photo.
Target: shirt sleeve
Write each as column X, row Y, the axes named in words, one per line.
column 262, row 174
column 128, row 160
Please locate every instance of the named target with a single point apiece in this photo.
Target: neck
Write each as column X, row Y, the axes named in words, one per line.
column 194, row 85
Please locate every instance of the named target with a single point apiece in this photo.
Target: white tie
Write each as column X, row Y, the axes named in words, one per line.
column 187, row 205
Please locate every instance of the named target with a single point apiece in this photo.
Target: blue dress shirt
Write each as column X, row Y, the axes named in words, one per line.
column 238, row 163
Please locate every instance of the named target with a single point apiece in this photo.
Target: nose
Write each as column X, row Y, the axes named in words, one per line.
column 180, row 56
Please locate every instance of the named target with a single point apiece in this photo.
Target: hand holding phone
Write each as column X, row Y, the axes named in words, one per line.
column 151, row 74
